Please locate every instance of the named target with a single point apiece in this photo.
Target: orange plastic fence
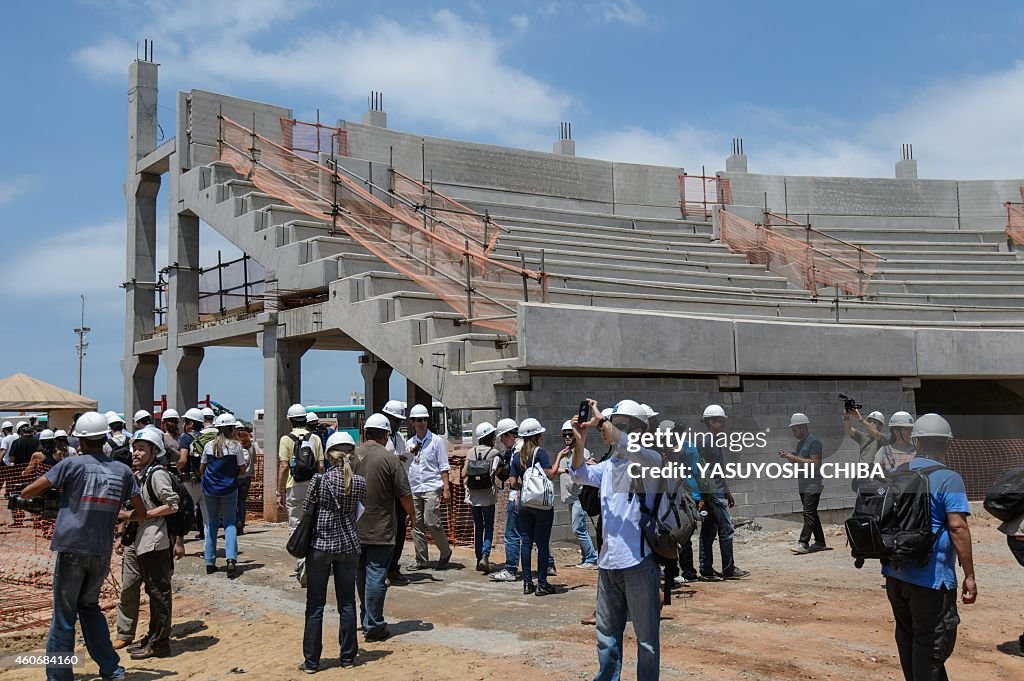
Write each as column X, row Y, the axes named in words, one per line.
column 699, row 193
column 457, row 515
column 309, row 140
column 1015, row 222
column 26, row 562
column 429, row 251
column 807, row 258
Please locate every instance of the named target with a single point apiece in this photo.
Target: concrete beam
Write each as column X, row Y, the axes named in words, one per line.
column 376, row 381
column 158, row 161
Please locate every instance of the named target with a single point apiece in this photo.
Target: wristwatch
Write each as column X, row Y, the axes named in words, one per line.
column 602, row 421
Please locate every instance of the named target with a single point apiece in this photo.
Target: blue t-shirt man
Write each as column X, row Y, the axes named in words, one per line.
column 947, row 494
column 805, row 449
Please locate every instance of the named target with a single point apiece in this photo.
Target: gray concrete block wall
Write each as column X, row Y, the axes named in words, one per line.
column 763, row 404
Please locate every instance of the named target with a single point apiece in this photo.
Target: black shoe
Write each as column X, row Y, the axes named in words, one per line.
column 201, row 535
column 528, row 588
column 737, row 574
column 396, row 578
column 143, row 643
column 711, row 577
column 210, row 569
column 381, row 634
column 240, row 531
column 149, row 651
column 309, row 670
column 232, row 569
column 347, row 664
column 690, row 576
column 545, row 589
column 443, row 561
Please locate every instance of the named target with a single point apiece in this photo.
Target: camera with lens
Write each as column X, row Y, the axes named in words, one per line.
column 47, row 505
column 849, row 404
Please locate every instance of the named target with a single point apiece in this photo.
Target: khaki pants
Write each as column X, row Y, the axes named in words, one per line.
column 293, row 500
column 428, row 517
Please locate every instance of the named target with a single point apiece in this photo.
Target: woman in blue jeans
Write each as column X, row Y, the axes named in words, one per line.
column 482, row 499
column 534, row 524
column 337, row 494
column 223, row 461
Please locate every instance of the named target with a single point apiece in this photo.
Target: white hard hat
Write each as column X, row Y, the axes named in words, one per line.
column 418, row 411
column 46, row 435
column 877, row 416
column 631, row 409
column 141, row 414
column 60, row 433
column 666, row 425
column 377, row 422
column 91, row 425
column 395, row 408
column 340, row 437
column 21, row 424
column 226, row 420
column 606, row 412
column 296, row 411
column 506, row 426
column 151, row 435
column 6, row 425
column 194, row 414
column 483, row 430
column 312, row 418
column 901, row 419
column 208, row 413
column 650, row 412
column 799, row 419
column 530, row 427
column 168, row 415
column 931, row 425
column 567, row 426
column 112, row 418
column 713, row 411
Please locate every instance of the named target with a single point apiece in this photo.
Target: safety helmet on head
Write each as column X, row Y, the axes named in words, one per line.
column 506, row 426
column 650, row 411
column 60, row 433
column 193, row 415
column 666, row 425
column 46, row 434
column 226, row 420
column 113, row 417
column 312, row 418
column 931, row 425
column 141, row 414
column 876, row 416
column 377, row 422
column 799, row 419
column 395, row 408
column 296, row 411
column 418, row 411
column 713, row 411
column 169, row 415
column 530, row 427
column 150, row 435
column 90, row 425
column 567, row 427
column 208, row 413
column 6, row 425
column 631, row 409
column 483, row 430
column 901, row 419
column 21, row 424
column 341, row 437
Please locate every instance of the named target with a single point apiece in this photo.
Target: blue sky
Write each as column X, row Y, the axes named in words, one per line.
column 812, row 87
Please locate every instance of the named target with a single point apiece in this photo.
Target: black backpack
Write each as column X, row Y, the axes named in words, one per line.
column 303, row 463
column 478, row 473
column 504, row 469
column 123, row 452
column 1005, row 499
column 182, row 521
column 892, row 519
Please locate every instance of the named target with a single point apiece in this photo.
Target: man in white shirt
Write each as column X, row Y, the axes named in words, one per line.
column 395, row 411
column 7, row 436
column 428, row 478
column 628, row 576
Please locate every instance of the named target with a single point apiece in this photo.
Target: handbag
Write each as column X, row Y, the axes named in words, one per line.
column 537, row 489
column 301, row 539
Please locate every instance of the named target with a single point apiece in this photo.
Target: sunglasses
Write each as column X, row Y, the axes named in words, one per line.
column 622, row 425
column 418, row 420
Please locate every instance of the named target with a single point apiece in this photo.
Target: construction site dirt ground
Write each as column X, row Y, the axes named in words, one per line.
column 795, row 617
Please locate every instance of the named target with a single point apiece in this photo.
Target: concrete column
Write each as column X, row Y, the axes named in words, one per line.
column 737, row 162
column 182, row 367
column 376, row 381
column 140, row 236
column 282, row 387
column 375, row 114
column 906, row 169
column 416, row 395
column 564, row 147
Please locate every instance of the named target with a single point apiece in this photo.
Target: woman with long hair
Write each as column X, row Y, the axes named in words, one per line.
column 534, row 523
column 481, row 492
column 64, row 448
column 222, row 462
column 337, row 494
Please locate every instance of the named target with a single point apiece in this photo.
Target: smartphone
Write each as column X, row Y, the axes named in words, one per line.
column 584, row 413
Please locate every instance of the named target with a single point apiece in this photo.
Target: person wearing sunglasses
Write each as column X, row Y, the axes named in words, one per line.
column 428, row 477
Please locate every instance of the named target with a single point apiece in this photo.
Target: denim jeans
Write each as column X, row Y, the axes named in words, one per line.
column 319, row 567
column 579, row 527
column 718, row 523
column 401, row 522
column 512, row 539
column 812, row 523
column 243, row 494
column 371, row 580
column 635, row 591
column 220, row 509
column 77, row 579
column 483, row 530
column 535, row 528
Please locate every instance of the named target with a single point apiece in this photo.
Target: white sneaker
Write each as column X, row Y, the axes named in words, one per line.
column 586, row 566
column 504, row 576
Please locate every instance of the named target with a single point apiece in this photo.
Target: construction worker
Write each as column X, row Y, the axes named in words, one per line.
column 808, row 452
column 190, row 453
column 292, row 492
column 119, row 444
column 208, row 416
column 7, row 436
column 900, row 449
column 428, row 478
column 395, row 413
column 142, row 419
column 321, row 430
column 869, row 440
column 171, row 435
column 718, row 521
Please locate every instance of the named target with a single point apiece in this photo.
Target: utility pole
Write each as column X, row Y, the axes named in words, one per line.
column 82, row 345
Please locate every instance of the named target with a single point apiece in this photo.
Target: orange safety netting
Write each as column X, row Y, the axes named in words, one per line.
column 429, row 251
column 699, row 193
column 26, row 562
column 1015, row 222
column 812, row 261
column 309, row 140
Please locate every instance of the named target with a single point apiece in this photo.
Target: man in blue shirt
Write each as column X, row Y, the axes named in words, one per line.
column 923, row 597
column 808, row 453
column 718, row 521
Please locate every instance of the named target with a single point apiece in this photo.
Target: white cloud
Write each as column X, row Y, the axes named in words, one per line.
column 521, row 22
column 444, row 70
column 625, row 11
column 12, row 188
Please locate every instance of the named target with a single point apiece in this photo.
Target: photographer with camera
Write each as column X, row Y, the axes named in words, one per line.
column 870, row 439
column 900, row 448
column 147, row 552
column 93, row 488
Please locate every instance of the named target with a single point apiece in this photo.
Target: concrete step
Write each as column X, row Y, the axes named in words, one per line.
column 703, row 253
column 513, row 224
column 948, row 286
column 672, row 259
column 954, row 274
column 952, row 265
column 957, row 299
column 697, row 243
column 902, row 245
column 926, row 254
column 586, row 217
column 861, row 235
